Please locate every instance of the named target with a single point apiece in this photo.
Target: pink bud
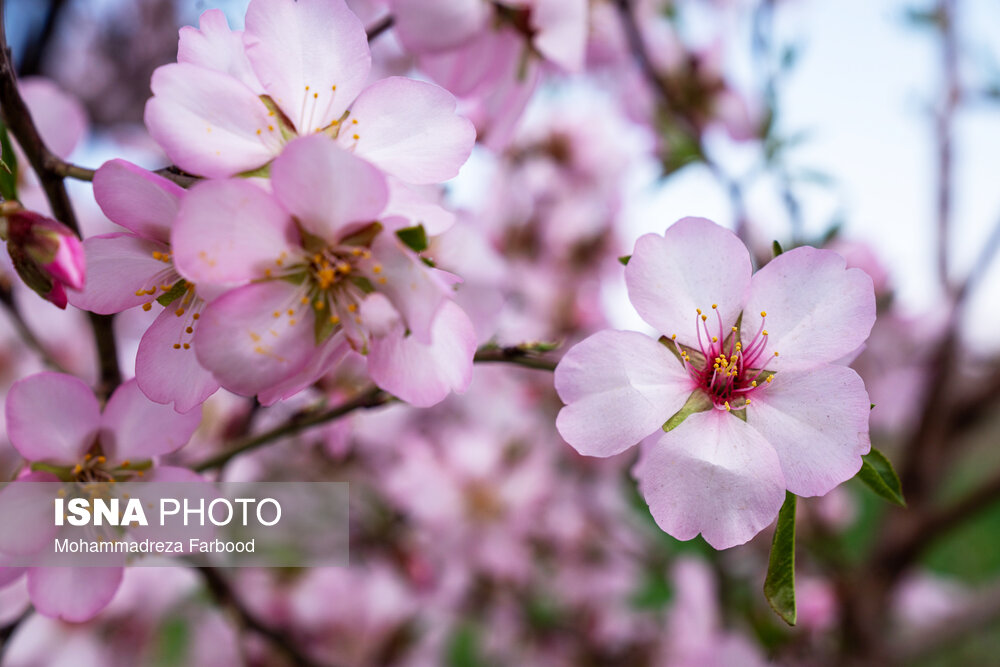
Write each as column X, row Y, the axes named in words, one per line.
column 46, row 253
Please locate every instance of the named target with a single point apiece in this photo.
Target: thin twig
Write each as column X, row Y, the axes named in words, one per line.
column 18, row 120
column 224, row 594
column 380, row 26
column 25, row 332
column 944, row 124
column 514, row 354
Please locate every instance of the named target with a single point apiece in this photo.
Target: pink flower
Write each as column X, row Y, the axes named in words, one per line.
column 234, row 99
column 754, row 423
column 56, row 423
column 309, row 274
column 46, row 254
column 136, row 268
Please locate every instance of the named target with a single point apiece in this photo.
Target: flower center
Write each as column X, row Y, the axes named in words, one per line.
column 729, row 370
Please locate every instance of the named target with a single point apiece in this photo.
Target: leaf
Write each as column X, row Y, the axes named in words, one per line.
column 8, row 175
column 878, row 474
column 779, row 585
column 697, row 402
column 464, row 648
column 624, row 259
column 415, row 238
column 776, row 247
column 176, row 292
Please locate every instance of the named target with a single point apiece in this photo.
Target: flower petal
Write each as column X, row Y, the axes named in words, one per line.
column 73, row 594
column 410, row 130
column 414, row 289
column 817, row 421
column 817, row 309
column 245, row 346
column 26, row 507
column 713, row 475
column 166, row 374
column 59, row 117
column 423, row 374
column 323, row 360
column 214, row 46
column 326, row 187
column 425, row 26
column 230, row 232
column 136, row 428
column 118, row 266
column 209, row 123
column 618, row 386
column 695, row 264
column 52, row 417
column 137, row 199
column 561, row 31
column 311, row 56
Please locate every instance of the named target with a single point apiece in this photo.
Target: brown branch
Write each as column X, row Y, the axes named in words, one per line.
column 224, row 594
column 518, row 355
column 944, row 125
column 18, row 121
column 379, row 27
column 981, row 613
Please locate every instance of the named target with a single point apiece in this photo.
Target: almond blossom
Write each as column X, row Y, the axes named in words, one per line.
column 135, row 268
column 749, row 368
column 55, row 422
column 312, row 271
column 234, row 99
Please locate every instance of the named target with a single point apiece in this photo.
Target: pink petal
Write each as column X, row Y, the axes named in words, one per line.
column 311, row 56
column 817, row 309
column 618, row 386
column 245, row 346
column 694, row 265
column 410, row 130
column 561, row 31
column 166, row 374
column 230, row 232
column 59, row 117
column 214, row 46
column 414, row 289
column 425, row 26
column 52, row 417
column 423, row 374
column 137, row 429
column 713, row 475
column 208, row 122
column 323, row 360
column 9, row 575
column 420, row 205
column 817, row 421
column 136, row 199
column 26, row 507
column 118, row 266
column 74, row 594
column 326, row 187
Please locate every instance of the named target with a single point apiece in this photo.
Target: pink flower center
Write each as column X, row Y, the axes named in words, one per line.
column 176, row 295
column 730, row 370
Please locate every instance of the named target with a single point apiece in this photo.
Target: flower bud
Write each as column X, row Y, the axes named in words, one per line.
column 46, row 254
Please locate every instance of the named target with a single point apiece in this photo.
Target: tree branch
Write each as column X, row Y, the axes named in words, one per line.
column 224, row 594
column 18, row 120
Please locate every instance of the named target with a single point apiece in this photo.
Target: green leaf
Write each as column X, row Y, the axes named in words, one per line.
column 776, row 247
column 464, row 648
column 8, row 175
column 779, row 585
column 414, row 237
column 878, row 474
column 263, row 171
column 176, row 292
column 624, row 259
column 698, row 401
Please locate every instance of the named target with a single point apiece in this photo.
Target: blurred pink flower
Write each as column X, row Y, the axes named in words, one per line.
column 55, row 419
column 129, row 269
column 715, row 474
column 234, row 99
column 307, row 275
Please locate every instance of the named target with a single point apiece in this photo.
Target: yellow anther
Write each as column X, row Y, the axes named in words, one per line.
column 727, row 406
column 187, row 346
column 195, row 316
column 382, row 281
column 139, row 473
column 291, row 322
column 714, row 306
column 190, row 330
column 377, row 268
column 673, row 336
column 353, row 307
column 764, row 332
column 179, row 312
column 775, row 353
column 147, row 306
column 354, row 121
column 769, row 378
column 101, row 459
column 290, row 312
column 315, row 95
column 699, row 310
column 344, row 267
column 270, row 128
column 334, row 319
column 333, row 87
column 763, row 313
column 78, row 469
column 356, row 137
column 304, row 300
column 307, row 87
column 748, row 401
column 319, row 305
column 357, row 320
column 715, row 339
column 356, row 252
column 267, row 273
column 704, row 317
column 177, row 346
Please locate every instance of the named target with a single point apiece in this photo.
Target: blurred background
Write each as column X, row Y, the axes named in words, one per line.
column 479, row 537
